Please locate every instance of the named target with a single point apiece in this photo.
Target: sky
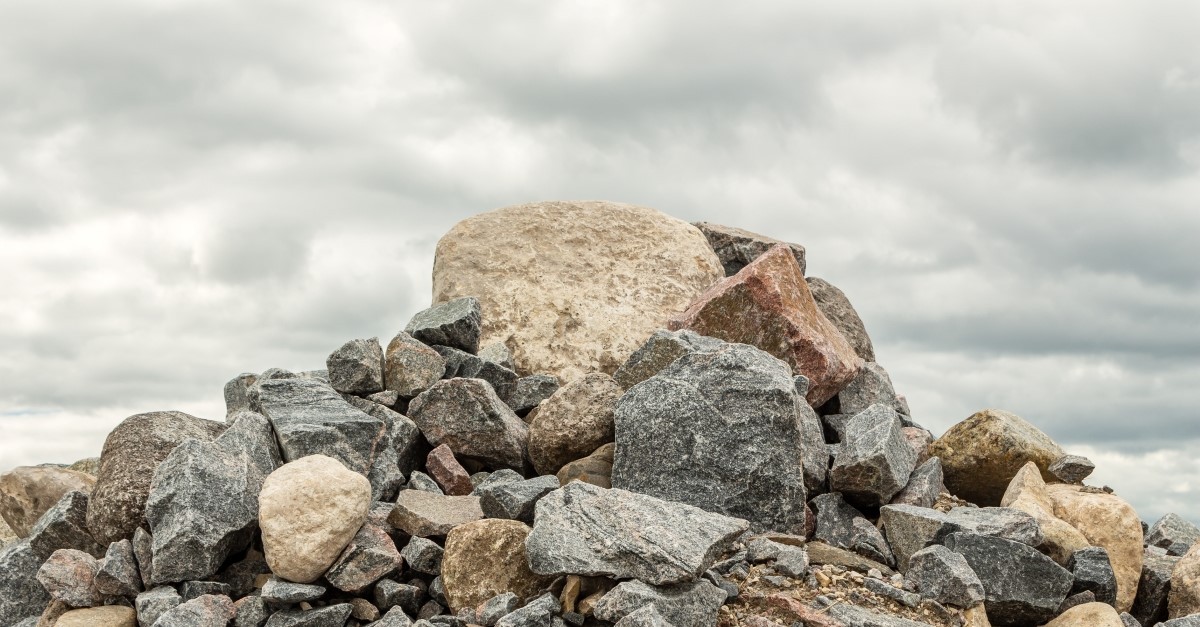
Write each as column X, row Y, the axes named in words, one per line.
column 1006, row 190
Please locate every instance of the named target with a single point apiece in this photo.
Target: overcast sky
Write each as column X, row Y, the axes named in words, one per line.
column 1007, row 190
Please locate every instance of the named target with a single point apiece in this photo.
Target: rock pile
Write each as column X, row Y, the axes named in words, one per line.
column 607, row 417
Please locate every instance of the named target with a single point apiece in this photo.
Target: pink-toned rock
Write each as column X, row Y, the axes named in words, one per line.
column 768, row 305
column 70, row 576
column 447, row 472
column 26, row 492
column 919, row 439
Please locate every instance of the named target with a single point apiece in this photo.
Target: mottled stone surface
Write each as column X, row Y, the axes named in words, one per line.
column 70, row 576
column 464, row 365
column 540, row 611
column 277, row 590
column 516, row 500
column 820, row 553
column 450, row 475
column 421, row 513
column 109, row 616
column 406, row 440
column 737, row 248
column 210, row 610
column 467, row 416
column 423, row 555
column 497, row 607
column 486, row 558
column 532, row 390
column 944, row 576
column 768, row 305
column 573, row 422
column 1093, row 573
column 870, row 386
column 1001, row 522
column 118, row 575
column 814, row 452
column 692, row 604
column 910, row 528
column 840, row 525
column 659, row 351
column 370, row 556
column 130, row 455
column 1088, row 615
column 586, row 530
column 1021, row 585
column 64, row 526
column 1072, row 468
column 1108, row 521
column 716, row 429
column 330, row 616
column 411, row 367
column 874, row 461
column 924, row 485
column 26, row 492
column 357, row 367
column 1027, row 492
column 595, row 469
column 1173, row 533
column 837, row 308
column 456, row 323
column 152, row 604
column 21, row 595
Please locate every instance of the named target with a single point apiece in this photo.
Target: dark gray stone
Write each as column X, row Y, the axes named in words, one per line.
column 874, row 461
column 1020, row 584
column 456, row 323
column 467, row 366
column 1001, row 522
column 143, row 552
column 69, row 575
column 403, row 433
column 648, row 616
column 1186, row 621
column 370, row 556
column 495, row 479
column 387, row 398
column 583, row 529
column 395, row 617
column 243, row 574
column 152, row 604
column 842, row 526
column 357, row 367
column 437, row 590
column 64, row 526
column 924, row 485
column 692, row 604
column 717, row 429
column 1078, row 598
column 423, row 555
column 1173, row 531
column 736, row 248
column 530, row 391
column 498, row 353
column 21, row 595
column 854, row 616
column 1154, row 586
column 118, row 576
column 467, row 416
column 885, row 589
column 278, row 590
column 659, row 351
column 792, row 561
column 190, row 590
column 833, row 303
column 407, row 597
column 1093, row 572
column 942, row 575
column 816, row 452
column 252, row 612
column 331, row 616
column 237, row 394
column 497, row 607
column 871, row 386
column 429, row 610
column 909, row 528
column 1129, row 621
column 1072, row 468
column 423, row 482
column 410, row 367
column 515, row 501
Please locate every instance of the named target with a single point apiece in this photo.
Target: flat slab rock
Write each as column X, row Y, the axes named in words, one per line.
column 693, row 604
column 425, row 514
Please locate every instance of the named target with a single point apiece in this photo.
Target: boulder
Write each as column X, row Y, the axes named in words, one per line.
column 1072, row 468
column 210, row 610
column 497, row 607
column 646, row 617
column 1001, row 522
column 424, row 514
column 530, row 391
column 837, row 308
column 26, row 492
column 1173, row 533
column 737, row 248
column 768, row 305
column 874, row 461
column 1154, row 587
column 411, row 367
column 1184, row 597
column 1027, row 492
column 118, row 575
column 21, row 595
column 70, row 576
column 909, row 528
column 455, row 323
column 406, row 439
column 815, row 452
column 486, row 558
column 460, row 364
column 840, row 525
column 1093, row 573
column 924, row 485
column 573, row 422
column 919, row 439
column 658, row 352
column 370, row 556
column 693, row 604
column 108, row 616
column 357, row 367
column 329, row 616
column 540, row 611
column 64, row 526
column 1020, row 584
column 582, row 529
column 467, row 416
column 1088, row 615
column 871, row 386
column 716, row 429
column 131, row 453
column 820, row 553
column 309, row 510
column 595, row 469
column 276, row 590
column 1106, row 520
column 423, row 555
column 152, row 604
column 942, row 575
column 981, row 454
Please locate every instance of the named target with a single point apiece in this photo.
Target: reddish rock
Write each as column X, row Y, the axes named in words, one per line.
column 70, row 576
column 447, row 472
column 768, row 305
column 919, row 439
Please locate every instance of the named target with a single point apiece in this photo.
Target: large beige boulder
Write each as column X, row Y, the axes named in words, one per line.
column 1107, row 521
column 573, row 287
column 26, row 492
column 486, row 558
column 1088, row 615
column 1184, row 597
column 981, row 454
column 1027, row 492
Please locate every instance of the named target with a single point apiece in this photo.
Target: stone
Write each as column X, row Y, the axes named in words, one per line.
column 423, row 555
column 252, row 611
column 1173, row 532
column 420, row 513
column 887, row 590
column 277, row 590
column 538, row 612
column 411, row 367
column 1154, row 587
column 840, row 525
column 69, row 576
column 820, row 553
column 1079, row 598
column 981, row 454
column 309, row 510
column 792, row 561
column 854, row 615
column 64, row 526
column 396, row 617
column 387, row 398
column 924, row 485
column 659, row 351
column 369, row 557
column 27, row 492
column 195, row 589
column 717, row 430
column 874, row 462
column 1001, row 522
column 920, row 439
column 530, row 391
column 768, row 305
column 450, row 476
column 564, row 290
column 515, row 501
column 582, row 529
column 152, row 604
column 871, row 386
column 693, row 604
column 455, row 323
column 595, row 469
column 911, row 528
column 237, row 393
column 573, row 422
column 1072, row 468
column 107, row 616
column 406, row 439
column 501, row 477
column 497, row 607
column 329, row 616
column 1187, row 621
column 1093, row 572
column 465, row 365
column 21, row 595
column 131, row 453
column 118, row 575
column 1088, row 615
column 498, row 354
column 737, row 248
column 1108, row 521
column 486, row 558
column 406, row 597
column 942, row 575
column 1184, row 595
column 646, row 617
column 143, row 553
column 357, row 367
column 310, row 418
column 1027, row 492
column 815, row 453
column 837, row 308
column 467, row 416
column 1020, row 584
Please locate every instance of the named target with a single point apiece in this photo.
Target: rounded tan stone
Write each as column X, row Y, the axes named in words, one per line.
column 26, row 492
column 1088, row 615
column 573, row 287
column 573, row 422
column 309, row 510
column 595, row 469
column 486, row 558
column 107, row 616
column 1027, row 492
column 1107, row 521
column 1184, row 597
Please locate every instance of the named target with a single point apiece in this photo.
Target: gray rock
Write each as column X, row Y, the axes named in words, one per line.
column 871, row 386
column 1079, row 598
column 357, row 367
column 1020, row 584
column 411, row 367
column 21, row 595
column 942, row 575
column 884, row 589
column 736, row 248
column 792, row 561
column 498, row 353
column 1154, row 587
column 403, row 433
column 909, row 528
column 369, row 557
column 464, row 365
column 242, row 575
column 423, row 555
column 1072, row 468
column 237, row 395
column 646, row 617
column 874, row 461
column 1093, row 572
column 515, row 501
column 716, row 429
column 816, row 452
column 496, row 479
column 420, row 513
column 537, row 613
column 924, row 485
column 252, row 612
column 854, row 616
column 833, row 303
column 467, row 416
column 531, row 390
column 1001, row 522
column 152, row 604
column 1186, row 621
column 69, row 576
column 387, row 398
column 659, row 351
column 1173, row 531
column 331, row 616
column 396, row 617
column 277, row 590
column 118, row 575
column 497, row 607
column 143, row 553
column 423, row 482
column 692, row 604
column 842, row 526
column 586, row 530
column 456, row 323
column 190, row 590
column 1129, row 621
column 64, row 526
column 392, row 594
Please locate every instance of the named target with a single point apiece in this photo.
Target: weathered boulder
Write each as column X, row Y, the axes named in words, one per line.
column 692, row 604
column 716, row 429
column 815, row 452
column 424, row 514
column 660, row 351
column 595, row 469
column 1088, row 615
column 455, row 323
column 1184, row 597
column 464, row 365
column 309, row 510
column 1001, row 522
column 26, row 492
column 209, row 610
column 486, row 558
column 143, row 553
column 118, row 575
column 648, row 616
column 1173, row 533
column 768, row 305
column 1020, row 584
column 788, row 560
column 152, row 604
column 131, row 453
column 467, row 416
column 21, row 595
column 1108, row 521
column 1027, row 492
column 328, row 616
column 1093, row 572
column 981, row 454
column 573, row 422
column 582, row 529
column 737, row 248
column 924, row 485
column 540, row 611
column 920, row 440
column 411, row 367
column 840, row 525
column 870, row 386
column 874, row 461
column 944, row 576
column 406, row 439
column 563, row 289
column 64, row 526
column 70, row 576
column 356, row 367
column 276, row 590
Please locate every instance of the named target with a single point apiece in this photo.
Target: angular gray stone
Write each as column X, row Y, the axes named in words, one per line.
column 369, row 557
column 357, row 367
column 842, row 526
column 871, row 386
column 646, row 617
column 330, row 616
column 152, row 604
column 403, row 433
column 531, row 390
column 395, row 617
column 537, row 613
column 852, row 615
column 496, row 479
column 406, row 596
column 583, row 529
column 1186, row 621
column 497, row 607
column 659, row 351
column 815, row 452
column 924, row 485
column 736, row 248
column 420, row 513
column 497, row 353
column 1093, row 572
column 237, row 395
column 887, row 590
column 1130, row 621
column 833, row 303
column 455, row 323
column 1173, row 533
column 1020, row 584
column 692, row 604
column 515, row 501
column 719, row 430
column 143, row 552
column 387, row 398
column 874, row 461
column 909, row 528
column 1072, row 468
column 942, row 575
column 118, row 576
column 411, row 367
column 190, row 590
column 21, row 595
column 467, row 416
column 467, row 366
column 423, row 482
column 252, row 612
column 423, row 555
column 277, row 590
column 1154, row 587
column 792, row 561
column 1001, row 522
column 64, row 526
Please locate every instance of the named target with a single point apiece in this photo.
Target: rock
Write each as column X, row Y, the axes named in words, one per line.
column 530, row 391
column 69, row 576
column 815, row 453
column 910, row 528
column 1079, row 598
column 467, row 366
column 252, row 611
column 309, row 510
column 789, row 560
column 237, row 395
column 277, row 590
column 538, row 612
column 497, row 607
column 1106, row 520
column 1189, row 621
column 27, row 492
column 424, row 514
column 21, row 595
column 768, row 305
column 467, row 416
column 118, row 575
column 595, row 469
column 456, row 323
column 498, row 354
column 423, row 555
column 566, row 292
column 658, row 352
column 573, row 422
column 108, row 616
column 357, row 367
column 1154, row 586
column 387, row 398
column 64, row 526
column 737, row 248
column 820, row 553
column 515, row 501
column 131, row 452
column 837, row 308
column 840, row 525
column 1072, row 468
column 447, row 472
column 369, row 557
column 924, row 485
column 311, row 418
column 1001, row 522
column 143, row 553
column 486, row 558
column 154, row 603
column 1184, row 596
column 854, row 615
column 981, row 454
column 1021, row 585
column 646, row 617
column 406, row 439
column 501, row 477
column 1173, row 532
column 411, row 367
column 717, row 430
column 920, row 439
column 330, row 616
column 683, row 605
column 874, row 462
column 871, row 386
column 195, row 589
column 582, row 529
column 1088, row 615
column 396, row 618
column 1093, row 572
column 944, row 576
column 1027, row 492
column 406, row 597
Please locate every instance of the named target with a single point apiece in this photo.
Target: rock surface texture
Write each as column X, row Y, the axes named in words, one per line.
column 26, row 492
column 487, row 558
